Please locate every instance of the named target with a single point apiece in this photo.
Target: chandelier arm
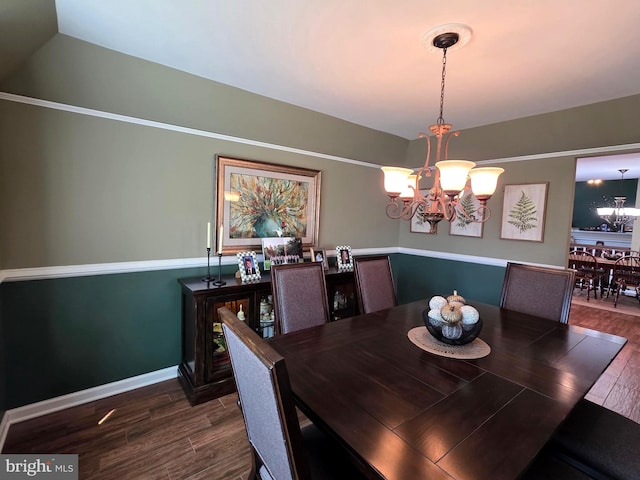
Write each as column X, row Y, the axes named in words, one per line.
column 483, row 213
column 446, row 143
column 396, row 209
column 426, row 159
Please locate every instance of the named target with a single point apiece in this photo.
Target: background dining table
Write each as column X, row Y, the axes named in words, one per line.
column 403, row 413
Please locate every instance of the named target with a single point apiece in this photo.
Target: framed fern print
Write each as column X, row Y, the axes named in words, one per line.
column 418, row 224
column 464, row 224
column 523, row 212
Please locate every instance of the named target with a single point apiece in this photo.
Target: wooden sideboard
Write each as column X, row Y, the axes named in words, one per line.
column 205, row 369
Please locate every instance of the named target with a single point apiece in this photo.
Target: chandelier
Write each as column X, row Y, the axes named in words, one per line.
column 619, row 215
column 450, row 177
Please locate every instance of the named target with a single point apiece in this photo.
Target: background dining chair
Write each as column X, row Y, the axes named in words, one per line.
column 588, row 272
column 281, row 449
column 299, row 296
column 626, row 274
column 544, row 292
column 374, row 283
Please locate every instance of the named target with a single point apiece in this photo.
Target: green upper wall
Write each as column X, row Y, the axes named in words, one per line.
column 77, row 189
column 24, row 26
column 74, row 72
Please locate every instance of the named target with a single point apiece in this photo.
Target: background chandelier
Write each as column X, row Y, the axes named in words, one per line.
column 619, row 215
column 451, row 176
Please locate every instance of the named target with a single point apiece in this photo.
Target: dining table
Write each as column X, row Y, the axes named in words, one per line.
column 404, row 413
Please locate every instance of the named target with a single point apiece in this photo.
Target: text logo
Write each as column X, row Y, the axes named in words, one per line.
column 45, row 466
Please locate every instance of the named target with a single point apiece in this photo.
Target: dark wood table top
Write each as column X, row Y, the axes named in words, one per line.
column 407, row 414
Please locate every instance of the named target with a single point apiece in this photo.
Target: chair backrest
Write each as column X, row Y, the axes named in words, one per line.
column 583, row 262
column 374, row 283
column 627, row 270
column 299, row 296
column 266, row 400
column 540, row 291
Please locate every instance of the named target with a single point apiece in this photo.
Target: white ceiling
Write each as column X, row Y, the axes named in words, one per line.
column 364, row 61
column 607, row 168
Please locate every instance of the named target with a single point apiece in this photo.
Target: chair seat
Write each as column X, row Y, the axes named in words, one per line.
column 548, row 467
column 597, row 439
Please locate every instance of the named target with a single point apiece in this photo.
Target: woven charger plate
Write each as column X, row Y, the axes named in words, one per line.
column 421, row 337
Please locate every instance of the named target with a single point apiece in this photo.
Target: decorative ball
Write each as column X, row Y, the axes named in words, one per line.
column 451, row 331
column 469, row 315
column 456, row 298
column 451, row 313
column 437, row 302
column 435, row 314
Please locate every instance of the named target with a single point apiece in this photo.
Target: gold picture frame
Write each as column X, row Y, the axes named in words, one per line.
column 319, row 255
column 258, row 200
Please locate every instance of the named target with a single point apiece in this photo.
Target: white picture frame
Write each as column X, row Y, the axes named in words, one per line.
column 344, row 258
column 248, row 266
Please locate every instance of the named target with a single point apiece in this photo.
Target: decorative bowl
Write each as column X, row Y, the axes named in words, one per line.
column 452, row 334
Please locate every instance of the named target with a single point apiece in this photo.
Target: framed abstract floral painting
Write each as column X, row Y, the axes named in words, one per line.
column 258, row 200
column 523, row 212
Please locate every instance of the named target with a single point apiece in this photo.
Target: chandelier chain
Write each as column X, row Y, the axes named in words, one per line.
column 440, row 120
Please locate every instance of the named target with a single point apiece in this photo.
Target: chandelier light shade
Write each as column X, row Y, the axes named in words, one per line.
column 396, row 179
column 619, row 215
column 450, row 177
column 453, row 175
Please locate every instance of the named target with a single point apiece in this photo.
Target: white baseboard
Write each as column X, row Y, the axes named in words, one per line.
column 45, row 407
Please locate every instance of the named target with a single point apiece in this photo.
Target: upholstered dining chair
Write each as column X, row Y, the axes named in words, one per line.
column 299, row 296
column 281, row 449
column 374, row 283
column 541, row 291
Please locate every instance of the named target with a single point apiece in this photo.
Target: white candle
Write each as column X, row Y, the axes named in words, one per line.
column 220, row 243
column 208, row 235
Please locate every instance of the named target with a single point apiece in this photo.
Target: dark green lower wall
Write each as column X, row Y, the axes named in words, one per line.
column 66, row 335
column 70, row 334
column 423, row 277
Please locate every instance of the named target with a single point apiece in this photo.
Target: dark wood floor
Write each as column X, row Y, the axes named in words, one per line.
column 155, row 434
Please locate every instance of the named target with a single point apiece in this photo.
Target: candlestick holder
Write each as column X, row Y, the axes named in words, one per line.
column 208, row 278
column 219, row 282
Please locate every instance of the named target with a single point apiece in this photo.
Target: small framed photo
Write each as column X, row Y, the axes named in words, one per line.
column 318, row 255
column 248, row 266
column 344, row 259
